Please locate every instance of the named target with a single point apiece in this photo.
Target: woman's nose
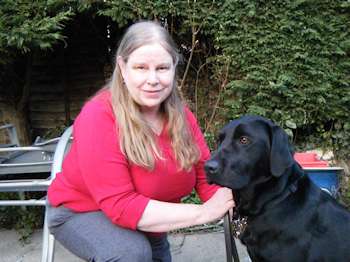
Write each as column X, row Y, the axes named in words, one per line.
column 152, row 78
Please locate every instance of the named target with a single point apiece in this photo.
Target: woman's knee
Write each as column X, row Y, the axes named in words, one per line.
column 139, row 250
column 93, row 237
column 141, row 254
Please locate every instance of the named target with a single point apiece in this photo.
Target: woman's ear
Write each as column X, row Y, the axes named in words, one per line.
column 122, row 65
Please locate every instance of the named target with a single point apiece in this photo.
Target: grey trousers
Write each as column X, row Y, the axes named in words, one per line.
column 93, row 237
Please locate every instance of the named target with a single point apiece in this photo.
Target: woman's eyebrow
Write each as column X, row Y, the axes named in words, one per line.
column 164, row 64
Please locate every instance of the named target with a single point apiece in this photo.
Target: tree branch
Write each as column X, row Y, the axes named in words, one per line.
column 221, row 89
column 193, row 46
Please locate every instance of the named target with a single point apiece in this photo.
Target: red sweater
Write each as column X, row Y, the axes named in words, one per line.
column 97, row 176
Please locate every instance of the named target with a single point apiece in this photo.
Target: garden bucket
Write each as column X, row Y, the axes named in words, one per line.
column 319, row 171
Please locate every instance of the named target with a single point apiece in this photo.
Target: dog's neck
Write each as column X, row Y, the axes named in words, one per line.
column 292, row 186
column 255, row 199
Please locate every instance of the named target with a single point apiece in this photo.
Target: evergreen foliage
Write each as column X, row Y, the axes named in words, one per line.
column 290, row 62
column 27, row 25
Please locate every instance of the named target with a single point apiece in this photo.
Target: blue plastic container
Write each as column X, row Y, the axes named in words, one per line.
column 327, row 178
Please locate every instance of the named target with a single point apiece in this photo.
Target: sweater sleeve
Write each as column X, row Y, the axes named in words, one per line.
column 204, row 190
column 104, row 167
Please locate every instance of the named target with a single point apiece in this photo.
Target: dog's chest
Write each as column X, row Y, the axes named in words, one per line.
column 276, row 242
column 273, row 245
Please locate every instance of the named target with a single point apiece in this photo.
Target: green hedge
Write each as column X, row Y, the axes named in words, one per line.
column 290, row 62
column 286, row 60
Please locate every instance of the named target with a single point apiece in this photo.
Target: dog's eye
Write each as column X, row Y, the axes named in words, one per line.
column 244, row 140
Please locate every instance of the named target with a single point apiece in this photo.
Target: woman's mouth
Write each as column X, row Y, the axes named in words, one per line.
column 152, row 93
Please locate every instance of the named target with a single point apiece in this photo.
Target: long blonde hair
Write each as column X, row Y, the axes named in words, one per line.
column 137, row 140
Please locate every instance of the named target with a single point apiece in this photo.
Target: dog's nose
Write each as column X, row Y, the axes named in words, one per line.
column 211, row 167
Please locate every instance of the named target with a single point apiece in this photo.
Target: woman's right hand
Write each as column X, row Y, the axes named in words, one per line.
column 217, row 206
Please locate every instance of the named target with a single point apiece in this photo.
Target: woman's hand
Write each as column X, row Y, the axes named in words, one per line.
column 217, row 206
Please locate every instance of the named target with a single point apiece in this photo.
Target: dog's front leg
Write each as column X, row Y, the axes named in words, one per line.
column 248, row 238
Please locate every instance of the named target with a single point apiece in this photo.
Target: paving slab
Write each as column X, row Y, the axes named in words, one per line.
column 199, row 247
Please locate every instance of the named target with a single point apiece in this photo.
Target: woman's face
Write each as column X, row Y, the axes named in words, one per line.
column 148, row 75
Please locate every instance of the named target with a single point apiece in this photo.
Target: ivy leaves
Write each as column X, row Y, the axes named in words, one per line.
column 291, row 64
column 288, row 60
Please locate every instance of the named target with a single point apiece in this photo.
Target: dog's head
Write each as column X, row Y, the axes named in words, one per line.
column 249, row 147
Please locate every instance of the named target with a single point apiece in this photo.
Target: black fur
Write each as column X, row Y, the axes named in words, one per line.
column 289, row 219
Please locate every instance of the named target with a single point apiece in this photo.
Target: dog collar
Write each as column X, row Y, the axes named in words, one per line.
column 292, row 187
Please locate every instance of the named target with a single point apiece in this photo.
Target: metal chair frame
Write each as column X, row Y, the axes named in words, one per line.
column 31, row 185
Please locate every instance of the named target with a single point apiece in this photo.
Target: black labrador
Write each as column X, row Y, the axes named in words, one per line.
column 288, row 217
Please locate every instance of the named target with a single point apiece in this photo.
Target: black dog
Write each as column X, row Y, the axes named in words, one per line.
column 288, row 217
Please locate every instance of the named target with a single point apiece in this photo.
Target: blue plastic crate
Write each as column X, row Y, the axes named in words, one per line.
column 327, row 178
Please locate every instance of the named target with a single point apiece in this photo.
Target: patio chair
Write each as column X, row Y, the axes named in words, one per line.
column 31, row 185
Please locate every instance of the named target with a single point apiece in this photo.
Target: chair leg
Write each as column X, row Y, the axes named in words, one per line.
column 48, row 247
column 51, row 250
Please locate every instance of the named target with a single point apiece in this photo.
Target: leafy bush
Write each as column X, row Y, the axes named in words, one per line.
column 286, row 60
column 290, row 62
column 23, row 219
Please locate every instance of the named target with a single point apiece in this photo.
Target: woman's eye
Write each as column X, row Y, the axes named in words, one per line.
column 140, row 67
column 244, row 140
column 163, row 68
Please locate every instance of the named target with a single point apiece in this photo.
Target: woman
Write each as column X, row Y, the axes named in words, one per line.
column 137, row 151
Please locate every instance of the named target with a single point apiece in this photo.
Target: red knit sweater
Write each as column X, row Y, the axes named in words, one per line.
column 97, row 176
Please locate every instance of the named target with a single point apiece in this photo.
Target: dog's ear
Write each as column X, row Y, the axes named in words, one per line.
column 281, row 156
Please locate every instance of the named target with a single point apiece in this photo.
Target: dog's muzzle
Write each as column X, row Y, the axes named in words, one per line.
column 211, row 167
